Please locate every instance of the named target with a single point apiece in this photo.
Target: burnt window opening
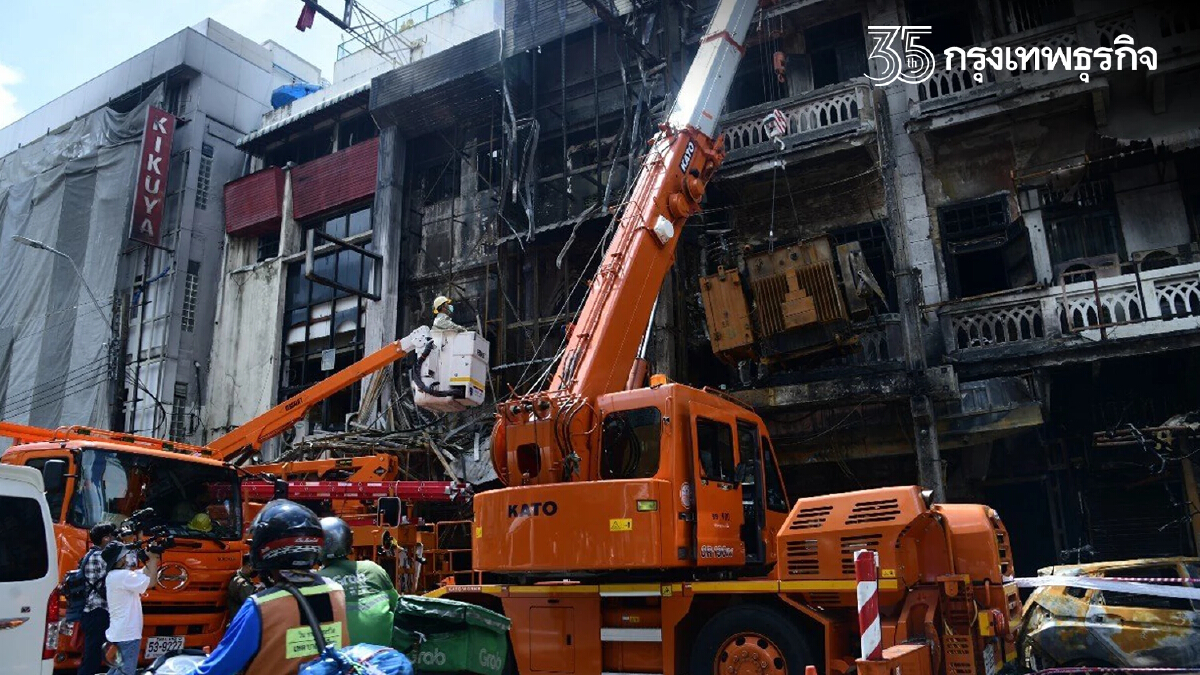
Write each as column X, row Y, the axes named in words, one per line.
column 755, row 82
column 1018, row 16
column 176, row 98
column 876, row 250
column 836, row 50
column 984, row 251
column 949, row 22
column 355, row 130
column 1082, row 226
column 438, row 181
column 304, row 149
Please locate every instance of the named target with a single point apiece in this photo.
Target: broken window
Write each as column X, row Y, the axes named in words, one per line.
column 836, row 50
column 872, row 238
column 356, row 129
column 949, row 22
column 1123, row 599
column 438, row 181
column 1082, row 226
column 984, row 251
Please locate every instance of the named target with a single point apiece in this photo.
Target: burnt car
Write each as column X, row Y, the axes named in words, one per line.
column 1072, row 626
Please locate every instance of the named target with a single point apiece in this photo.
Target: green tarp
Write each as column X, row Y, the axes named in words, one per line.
column 458, row 636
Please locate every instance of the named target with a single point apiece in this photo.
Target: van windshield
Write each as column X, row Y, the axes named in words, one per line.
column 190, row 499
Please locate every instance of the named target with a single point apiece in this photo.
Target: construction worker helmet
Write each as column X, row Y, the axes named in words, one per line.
column 201, row 522
column 286, row 536
column 339, row 539
column 438, row 302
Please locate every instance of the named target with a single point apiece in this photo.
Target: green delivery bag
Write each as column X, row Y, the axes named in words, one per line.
column 442, row 636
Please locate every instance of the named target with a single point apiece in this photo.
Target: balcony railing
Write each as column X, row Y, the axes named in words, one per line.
column 879, row 341
column 1131, row 305
column 820, row 114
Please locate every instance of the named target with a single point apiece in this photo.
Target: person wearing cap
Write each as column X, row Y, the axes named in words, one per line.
column 124, row 586
column 95, row 609
column 269, row 635
column 370, row 596
column 442, row 311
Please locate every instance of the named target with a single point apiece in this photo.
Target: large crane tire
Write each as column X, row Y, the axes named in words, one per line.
column 750, row 639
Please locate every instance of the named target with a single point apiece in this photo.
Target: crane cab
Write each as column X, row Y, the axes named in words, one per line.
column 681, row 478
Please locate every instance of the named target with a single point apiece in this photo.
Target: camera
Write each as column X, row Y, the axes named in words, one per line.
column 147, row 538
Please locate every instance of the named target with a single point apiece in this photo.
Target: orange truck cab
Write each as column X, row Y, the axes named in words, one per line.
column 197, row 500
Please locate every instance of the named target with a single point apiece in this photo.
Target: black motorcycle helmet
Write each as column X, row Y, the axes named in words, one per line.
column 285, row 536
column 339, row 539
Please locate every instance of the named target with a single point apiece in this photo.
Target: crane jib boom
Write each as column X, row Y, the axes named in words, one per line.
column 603, row 345
column 251, row 435
column 684, row 154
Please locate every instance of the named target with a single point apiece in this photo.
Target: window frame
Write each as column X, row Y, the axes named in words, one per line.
column 631, row 430
column 726, row 476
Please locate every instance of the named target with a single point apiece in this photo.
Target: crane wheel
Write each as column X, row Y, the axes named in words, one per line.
column 750, row 640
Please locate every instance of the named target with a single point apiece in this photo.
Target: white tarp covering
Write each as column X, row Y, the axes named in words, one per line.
column 71, row 190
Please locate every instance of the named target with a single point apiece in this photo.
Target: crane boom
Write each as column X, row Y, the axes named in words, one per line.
column 250, row 436
column 558, row 424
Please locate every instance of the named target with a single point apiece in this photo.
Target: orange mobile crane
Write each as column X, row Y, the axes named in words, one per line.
column 94, row 476
column 647, row 530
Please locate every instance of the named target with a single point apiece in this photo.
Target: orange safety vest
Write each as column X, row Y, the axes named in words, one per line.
column 287, row 641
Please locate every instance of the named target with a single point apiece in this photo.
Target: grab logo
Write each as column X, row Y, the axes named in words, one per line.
column 436, row 657
column 489, row 660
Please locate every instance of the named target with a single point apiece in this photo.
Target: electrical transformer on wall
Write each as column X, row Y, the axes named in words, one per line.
column 451, row 371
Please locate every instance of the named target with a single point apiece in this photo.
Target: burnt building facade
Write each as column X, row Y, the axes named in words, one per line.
column 968, row 280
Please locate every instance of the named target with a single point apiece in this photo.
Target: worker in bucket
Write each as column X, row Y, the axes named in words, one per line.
column 442, row 310
column 370, row 596
column 269, row 635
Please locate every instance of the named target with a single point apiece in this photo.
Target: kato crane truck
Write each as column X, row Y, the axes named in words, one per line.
column 647, row 530
column 200, row 497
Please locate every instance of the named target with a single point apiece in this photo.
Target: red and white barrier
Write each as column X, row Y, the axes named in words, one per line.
column 866, row 573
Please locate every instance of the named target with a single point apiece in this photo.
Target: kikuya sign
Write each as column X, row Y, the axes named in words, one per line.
column 149, row 195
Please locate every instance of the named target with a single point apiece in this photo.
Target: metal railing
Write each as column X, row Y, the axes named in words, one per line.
column 1129, row 305
column 809, row 114
column 404, row 22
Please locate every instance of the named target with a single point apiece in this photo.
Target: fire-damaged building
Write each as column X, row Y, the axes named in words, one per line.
column 985, row 279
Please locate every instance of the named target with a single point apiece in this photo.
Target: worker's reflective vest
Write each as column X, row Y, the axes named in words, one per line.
column 287, row 641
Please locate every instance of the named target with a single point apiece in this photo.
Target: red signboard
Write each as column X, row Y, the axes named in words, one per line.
column 149, row 194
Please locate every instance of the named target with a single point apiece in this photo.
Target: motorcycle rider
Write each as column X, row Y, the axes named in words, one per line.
column 269, row 635
column 370, row 596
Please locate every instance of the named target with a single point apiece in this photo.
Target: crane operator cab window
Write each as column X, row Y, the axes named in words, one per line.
column 631, row 443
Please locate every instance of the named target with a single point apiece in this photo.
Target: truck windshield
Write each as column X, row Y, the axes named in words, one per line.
column 191, row 499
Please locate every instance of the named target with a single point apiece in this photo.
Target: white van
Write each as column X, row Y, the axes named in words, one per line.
column 28, row 574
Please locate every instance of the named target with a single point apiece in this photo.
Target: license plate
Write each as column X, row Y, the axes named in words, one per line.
column 158, row 645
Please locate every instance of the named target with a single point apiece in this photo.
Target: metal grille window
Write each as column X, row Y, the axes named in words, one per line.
column 204, row 180
column 877, row 251
column 179, row 425
column 1082, row 222
column 191, row 289
column 984, row 251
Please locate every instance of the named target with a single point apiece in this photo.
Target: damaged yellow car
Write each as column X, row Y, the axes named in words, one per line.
column 1073, row 626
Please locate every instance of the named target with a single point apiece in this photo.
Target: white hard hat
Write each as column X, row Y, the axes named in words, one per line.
column 438, row 302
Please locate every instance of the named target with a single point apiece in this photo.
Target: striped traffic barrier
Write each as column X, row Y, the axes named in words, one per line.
column 866, row 566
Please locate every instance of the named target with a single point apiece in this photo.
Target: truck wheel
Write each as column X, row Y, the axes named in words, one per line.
column 750, row 640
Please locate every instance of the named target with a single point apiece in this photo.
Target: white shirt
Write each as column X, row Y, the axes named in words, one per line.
column 124, row 588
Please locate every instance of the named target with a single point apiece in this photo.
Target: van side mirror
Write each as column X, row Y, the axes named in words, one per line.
column 54, row 475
